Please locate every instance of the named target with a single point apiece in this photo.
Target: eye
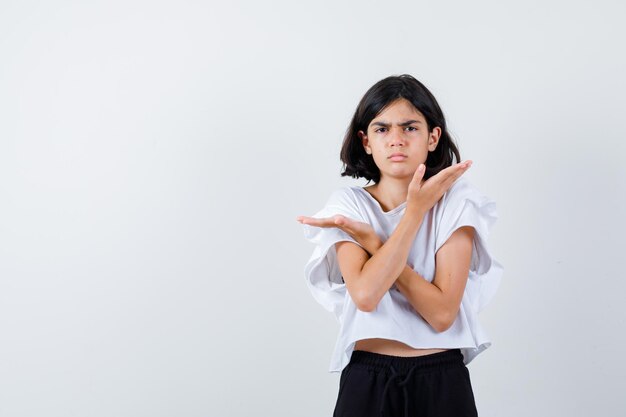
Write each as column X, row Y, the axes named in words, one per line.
column 380, row 129
column 411, row 128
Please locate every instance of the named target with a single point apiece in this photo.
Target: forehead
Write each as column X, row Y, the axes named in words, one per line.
column 399, row 110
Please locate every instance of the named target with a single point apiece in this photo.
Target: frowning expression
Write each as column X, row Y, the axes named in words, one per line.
column 398, row 139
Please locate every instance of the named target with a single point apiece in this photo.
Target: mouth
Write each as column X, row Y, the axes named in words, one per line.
column 398, row 157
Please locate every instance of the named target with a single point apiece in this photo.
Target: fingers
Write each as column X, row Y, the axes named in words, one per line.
column 417, row 178
column 460, row 170
column 313, row 221
column 444, row 179
column 419, row 173
column 453, row 172
column 335, row 221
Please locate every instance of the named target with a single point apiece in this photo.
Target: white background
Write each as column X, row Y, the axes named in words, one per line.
column 155, row 154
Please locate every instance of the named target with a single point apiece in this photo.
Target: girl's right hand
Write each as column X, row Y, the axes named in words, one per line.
column 363, row 233
column 422, row 197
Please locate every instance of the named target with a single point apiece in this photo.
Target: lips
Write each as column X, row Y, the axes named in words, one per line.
column 397, row 157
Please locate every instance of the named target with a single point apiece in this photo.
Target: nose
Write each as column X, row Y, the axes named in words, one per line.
column 396, row 137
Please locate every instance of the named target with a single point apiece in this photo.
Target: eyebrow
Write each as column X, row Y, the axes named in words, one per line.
column 408, row 122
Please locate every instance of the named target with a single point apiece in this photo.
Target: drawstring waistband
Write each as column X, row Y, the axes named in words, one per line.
column 402, row 368
column 401, row 384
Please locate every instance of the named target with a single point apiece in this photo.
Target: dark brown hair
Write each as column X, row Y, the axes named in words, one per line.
column 359, row 164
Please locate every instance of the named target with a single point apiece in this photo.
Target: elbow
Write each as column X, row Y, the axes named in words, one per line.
column 366, row 308
column 366, row 302
column 443, row 322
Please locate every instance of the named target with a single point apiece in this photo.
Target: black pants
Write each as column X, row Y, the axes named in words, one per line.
column 434, row 385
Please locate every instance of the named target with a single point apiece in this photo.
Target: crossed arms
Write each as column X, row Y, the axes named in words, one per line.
column 370, row 273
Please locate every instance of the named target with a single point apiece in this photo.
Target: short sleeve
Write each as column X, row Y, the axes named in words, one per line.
column 322, row 273
column 465, row 205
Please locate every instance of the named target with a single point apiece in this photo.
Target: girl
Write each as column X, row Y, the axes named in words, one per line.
column 403, row 264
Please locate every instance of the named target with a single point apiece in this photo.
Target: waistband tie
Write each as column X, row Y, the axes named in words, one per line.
column 401, row 369
column 402, row 384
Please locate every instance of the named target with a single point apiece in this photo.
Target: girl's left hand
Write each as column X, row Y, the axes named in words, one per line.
column 363, row 233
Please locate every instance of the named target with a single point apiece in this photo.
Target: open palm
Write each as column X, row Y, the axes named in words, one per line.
column 362, row 232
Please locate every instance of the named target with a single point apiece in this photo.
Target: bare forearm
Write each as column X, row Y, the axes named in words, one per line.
column 385, row 265
column 425, row 297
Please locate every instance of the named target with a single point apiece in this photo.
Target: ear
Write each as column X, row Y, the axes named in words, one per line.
column 433, row 138
column 365, row 142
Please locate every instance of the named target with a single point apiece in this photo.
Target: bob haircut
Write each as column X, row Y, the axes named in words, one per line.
column 358, row 163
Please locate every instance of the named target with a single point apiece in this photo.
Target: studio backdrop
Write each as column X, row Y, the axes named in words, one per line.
column 154, row 157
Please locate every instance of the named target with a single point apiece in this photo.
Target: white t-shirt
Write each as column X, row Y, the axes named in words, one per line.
column 394, row 317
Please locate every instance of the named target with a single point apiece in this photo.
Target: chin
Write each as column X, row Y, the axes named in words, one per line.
column 402, row 174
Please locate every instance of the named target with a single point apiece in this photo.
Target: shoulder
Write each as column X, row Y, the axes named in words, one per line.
column 462, row 190
column 464, row 200
column 465, row 204
column 344, row 200
column 343, row 196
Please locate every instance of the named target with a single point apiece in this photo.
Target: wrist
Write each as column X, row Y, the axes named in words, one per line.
column 373, row 245
column 404, row 279
column 410, row 222
column 415, row 211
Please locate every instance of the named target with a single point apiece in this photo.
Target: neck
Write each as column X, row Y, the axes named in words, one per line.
column 391, row 192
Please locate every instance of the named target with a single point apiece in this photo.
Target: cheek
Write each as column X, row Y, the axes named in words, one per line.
column 376, row 155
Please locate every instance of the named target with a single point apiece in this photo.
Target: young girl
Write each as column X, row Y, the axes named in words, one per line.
column 403, row 264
